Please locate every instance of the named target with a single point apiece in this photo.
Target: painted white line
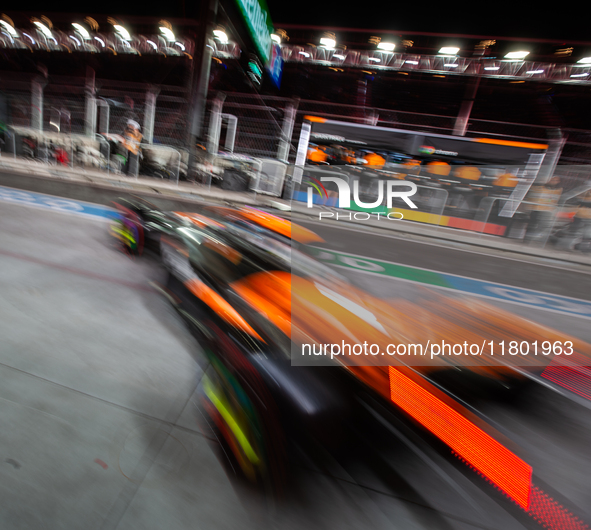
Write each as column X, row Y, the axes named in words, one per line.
column 44, row 201
column 87, row 216
column 90, row 204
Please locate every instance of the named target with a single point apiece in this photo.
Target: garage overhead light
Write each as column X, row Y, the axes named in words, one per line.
column 276, row 38
column 168, row 33
column 122, row 31
column 29, row 37
column 82, row 30
column 327, row 42
column 44, row 29
column 386, row 46
column 220, row 35
column 338, row 56
column 584, row 60
column 449, row 50
column 492, row 67
column 517, row 55
column 9, row 28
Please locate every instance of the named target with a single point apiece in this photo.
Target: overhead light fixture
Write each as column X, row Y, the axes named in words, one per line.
column 9, row 28
column 492, row 67
column 74, row 38
column 153, row 44
column 517, row 55
column 535, row 72
column 181, row 46
column 168, row 33
column 276, row 38
column 584, row 60
column 122, row 31
column 220, row 35
column 451, row 65
column 386, row 46
column 44, row 29
column 338, row 56
column 101, row 41
column 448, row 50
column 411, row 62
column 82, row 30
column 579, row 75
column 328, row 42
column 305, row 54
column 375, row 59
column 29, row 36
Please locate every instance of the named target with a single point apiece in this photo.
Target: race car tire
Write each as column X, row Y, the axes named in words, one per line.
column 241, row 412
column 128, row 228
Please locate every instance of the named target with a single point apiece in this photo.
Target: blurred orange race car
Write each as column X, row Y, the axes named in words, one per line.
column 245, row 283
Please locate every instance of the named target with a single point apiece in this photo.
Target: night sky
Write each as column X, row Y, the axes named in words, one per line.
column 556, row 21
column 496, row 19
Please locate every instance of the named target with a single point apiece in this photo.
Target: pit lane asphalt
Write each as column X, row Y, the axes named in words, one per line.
column 543, row 274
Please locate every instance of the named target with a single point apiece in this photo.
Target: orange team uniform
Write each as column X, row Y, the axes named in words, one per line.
column 132, row 139
column 437, row 167
column 374, row 159
column 506, row 180
column 317, row 155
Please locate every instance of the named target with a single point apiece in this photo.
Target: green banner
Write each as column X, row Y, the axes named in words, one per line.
column 257, row 19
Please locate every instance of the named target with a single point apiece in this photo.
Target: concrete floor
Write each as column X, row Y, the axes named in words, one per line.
column 98, row 416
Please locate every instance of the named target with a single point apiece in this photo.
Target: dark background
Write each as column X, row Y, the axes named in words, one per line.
column 555, row 21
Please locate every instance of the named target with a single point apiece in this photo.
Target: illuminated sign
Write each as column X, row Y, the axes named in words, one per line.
column 428, row 150
column 255, row 70
column 275, row 67
column 258, row 22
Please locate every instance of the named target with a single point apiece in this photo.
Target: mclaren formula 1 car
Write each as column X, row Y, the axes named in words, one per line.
column 248, row 287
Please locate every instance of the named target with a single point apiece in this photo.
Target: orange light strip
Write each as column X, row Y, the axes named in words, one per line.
column 499, row 465
column 509, row 143
column 220, row 306
column 550, row 514
column 315, row 118
column 575, row 380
